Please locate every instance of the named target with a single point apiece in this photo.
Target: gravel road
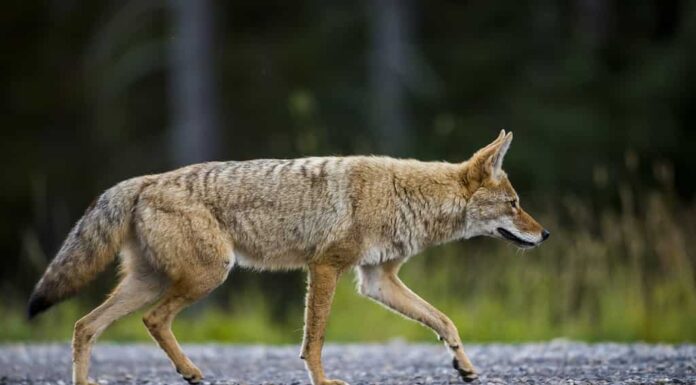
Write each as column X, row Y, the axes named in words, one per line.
column 556, row 362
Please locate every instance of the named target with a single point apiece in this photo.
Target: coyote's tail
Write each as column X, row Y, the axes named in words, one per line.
column 90, row 247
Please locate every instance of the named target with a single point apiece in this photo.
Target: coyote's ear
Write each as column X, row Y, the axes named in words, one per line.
column 496, row 160
column 488, row 161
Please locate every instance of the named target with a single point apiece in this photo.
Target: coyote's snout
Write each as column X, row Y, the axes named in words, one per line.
column 179, row 234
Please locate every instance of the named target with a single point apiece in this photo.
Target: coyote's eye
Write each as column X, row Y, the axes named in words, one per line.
column 513, row 203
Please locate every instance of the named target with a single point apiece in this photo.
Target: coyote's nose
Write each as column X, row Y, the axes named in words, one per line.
column 544, row 234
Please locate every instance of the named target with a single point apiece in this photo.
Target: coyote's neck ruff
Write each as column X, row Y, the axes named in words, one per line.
column 180, row 233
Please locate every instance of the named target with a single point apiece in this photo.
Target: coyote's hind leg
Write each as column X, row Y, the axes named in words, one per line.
column 132, row 293
column 187, row 245
column 159, row 323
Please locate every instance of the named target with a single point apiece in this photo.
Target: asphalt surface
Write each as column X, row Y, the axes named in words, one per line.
column 556, row 362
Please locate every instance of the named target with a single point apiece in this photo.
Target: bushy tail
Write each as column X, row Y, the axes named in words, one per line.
column 89, row 248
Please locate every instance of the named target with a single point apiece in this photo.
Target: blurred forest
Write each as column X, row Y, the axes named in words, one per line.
column 598, row 93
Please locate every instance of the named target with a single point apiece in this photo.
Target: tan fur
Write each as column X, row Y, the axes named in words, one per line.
column 181, row 232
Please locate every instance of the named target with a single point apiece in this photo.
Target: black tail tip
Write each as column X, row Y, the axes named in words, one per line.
column 37, row 304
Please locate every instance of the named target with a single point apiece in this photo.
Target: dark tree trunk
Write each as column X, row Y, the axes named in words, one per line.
column 194, row 122
column 390, row 34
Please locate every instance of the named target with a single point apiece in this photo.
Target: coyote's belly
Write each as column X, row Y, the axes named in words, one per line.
column 282, row 261
column 284, row 257
column 280, row 248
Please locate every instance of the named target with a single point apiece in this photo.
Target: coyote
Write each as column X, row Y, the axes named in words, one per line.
column 178, row 235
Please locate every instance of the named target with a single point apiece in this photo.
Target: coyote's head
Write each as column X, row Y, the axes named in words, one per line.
column 493, row 208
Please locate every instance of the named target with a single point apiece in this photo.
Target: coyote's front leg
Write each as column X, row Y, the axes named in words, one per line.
column 320, row 292
column 383, row 285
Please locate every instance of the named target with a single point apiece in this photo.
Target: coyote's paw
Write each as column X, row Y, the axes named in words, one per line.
column 332, row 382
column 468, row 375
column 192, row 375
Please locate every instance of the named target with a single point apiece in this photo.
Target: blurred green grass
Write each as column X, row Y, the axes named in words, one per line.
column 622, row 272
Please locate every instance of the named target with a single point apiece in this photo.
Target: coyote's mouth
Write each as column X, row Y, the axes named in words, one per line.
column 514, row 238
